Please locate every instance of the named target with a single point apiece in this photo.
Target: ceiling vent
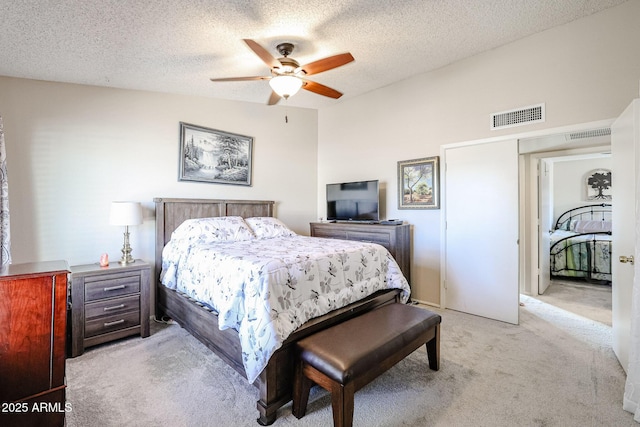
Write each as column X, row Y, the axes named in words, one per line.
column 594, row 133
column 519, row 117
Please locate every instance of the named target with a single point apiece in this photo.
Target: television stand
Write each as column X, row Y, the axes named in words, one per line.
column 397, row 239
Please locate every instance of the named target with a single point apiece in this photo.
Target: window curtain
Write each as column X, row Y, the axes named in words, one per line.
column 5, row 238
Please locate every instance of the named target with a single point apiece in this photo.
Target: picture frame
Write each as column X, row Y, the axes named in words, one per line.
column 598, row 185
column 214, row 156
column 419, row 183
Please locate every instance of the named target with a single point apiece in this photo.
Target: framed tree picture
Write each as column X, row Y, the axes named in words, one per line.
column 598, row 185
column 209, row 155
column 419, row 183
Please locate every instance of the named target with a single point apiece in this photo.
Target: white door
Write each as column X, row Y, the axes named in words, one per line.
column 545, row 223
column 481, row 230
column 624, row 140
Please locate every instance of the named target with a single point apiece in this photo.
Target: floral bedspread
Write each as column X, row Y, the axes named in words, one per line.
column 266, row 288
column 569, row 258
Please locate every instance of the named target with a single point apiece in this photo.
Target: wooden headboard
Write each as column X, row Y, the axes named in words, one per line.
column 170, row 213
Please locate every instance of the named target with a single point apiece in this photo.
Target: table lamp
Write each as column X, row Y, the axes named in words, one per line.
column 126, row 213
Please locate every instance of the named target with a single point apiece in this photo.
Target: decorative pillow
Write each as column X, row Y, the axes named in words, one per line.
column 266, row 227
column 585, row 226
column 216, row 229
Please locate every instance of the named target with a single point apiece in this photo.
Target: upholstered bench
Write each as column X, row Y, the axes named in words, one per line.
column 345, row 357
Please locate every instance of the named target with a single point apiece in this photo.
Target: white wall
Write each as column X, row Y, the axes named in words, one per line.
column 585, row 71
column 73, row 149
column 569, row 188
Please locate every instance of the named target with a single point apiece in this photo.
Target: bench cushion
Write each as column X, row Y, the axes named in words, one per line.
column 349, row 349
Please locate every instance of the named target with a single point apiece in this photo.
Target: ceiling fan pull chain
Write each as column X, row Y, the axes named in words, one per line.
column 286, row 111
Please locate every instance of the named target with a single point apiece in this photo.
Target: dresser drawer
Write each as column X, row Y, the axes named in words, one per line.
column 111, row 285
column 380, row 238
column 112, row 307
column 112, row 323
column 330, row 233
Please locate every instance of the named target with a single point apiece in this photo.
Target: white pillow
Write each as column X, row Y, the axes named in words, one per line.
column 216, row 229
column 266, row 227
column 591, row 226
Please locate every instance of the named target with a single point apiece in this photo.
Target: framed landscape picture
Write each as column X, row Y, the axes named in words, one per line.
column 419, row 183
column 209, row 155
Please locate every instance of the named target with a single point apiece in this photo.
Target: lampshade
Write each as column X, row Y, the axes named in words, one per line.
column 285, row 86
column 125, row 213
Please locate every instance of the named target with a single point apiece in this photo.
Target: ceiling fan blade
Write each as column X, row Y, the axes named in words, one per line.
column 241, row 79
column 273, row 99
column 326, row 64
column 320, row 89
column 266, row 57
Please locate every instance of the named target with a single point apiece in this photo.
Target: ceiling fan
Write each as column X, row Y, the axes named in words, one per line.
column 288, row 76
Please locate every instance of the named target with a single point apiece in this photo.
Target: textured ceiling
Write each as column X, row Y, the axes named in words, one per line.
column 177, row 45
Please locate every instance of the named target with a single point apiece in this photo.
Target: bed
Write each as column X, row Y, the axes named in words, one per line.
column 581, row 244
column 210, row 323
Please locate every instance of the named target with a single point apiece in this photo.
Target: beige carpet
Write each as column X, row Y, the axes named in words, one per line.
column 554, row 369
column 589, row 300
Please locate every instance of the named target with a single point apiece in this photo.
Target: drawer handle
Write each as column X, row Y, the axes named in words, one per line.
column 114, row 288
column 117, row 322
column 115, row 307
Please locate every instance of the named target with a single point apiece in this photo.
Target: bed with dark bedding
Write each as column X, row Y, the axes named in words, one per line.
column 248, row 287
column 581, row 244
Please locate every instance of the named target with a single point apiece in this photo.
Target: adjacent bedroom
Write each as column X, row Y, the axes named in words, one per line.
column 580, row 238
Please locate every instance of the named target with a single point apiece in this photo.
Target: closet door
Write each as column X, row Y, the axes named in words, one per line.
column 481, row 230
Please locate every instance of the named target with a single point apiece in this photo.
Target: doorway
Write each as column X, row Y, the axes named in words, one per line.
column 459, row 291
column 557, row 184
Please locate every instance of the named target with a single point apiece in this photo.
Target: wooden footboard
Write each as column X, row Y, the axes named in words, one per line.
column 275, row 383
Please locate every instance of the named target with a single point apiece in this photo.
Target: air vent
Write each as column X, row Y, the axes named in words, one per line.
column 519, row 117
column 589, row 134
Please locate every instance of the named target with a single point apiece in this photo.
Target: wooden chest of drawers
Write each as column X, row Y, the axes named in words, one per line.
column 396, row 238
column 108, row 303
column 33, row 315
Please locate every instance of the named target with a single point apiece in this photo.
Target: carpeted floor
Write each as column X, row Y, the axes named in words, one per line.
column 590, row 300
column 554, row 369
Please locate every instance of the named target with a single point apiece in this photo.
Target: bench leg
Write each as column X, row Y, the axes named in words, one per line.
column 342, row 401
column 433, row 350
column 301, row 387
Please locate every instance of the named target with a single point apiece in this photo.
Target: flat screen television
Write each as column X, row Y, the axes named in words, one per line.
column 353, row 201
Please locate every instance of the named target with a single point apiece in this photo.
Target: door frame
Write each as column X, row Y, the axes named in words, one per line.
column 531, row 283
column 524, row 204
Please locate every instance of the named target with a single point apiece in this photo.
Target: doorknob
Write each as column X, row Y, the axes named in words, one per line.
column 626, row 259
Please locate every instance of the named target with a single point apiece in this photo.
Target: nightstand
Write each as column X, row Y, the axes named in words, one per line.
column 108, row 303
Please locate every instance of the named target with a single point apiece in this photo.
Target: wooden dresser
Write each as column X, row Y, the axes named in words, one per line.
column 33, row 318
column 396, row 238
column 108, row 303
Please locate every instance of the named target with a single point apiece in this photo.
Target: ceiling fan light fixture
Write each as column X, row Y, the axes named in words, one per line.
column 285, row 86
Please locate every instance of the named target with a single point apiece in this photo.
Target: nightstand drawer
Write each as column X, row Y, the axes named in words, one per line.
column 111, row 285
column 112, row 307
column 111, row 323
